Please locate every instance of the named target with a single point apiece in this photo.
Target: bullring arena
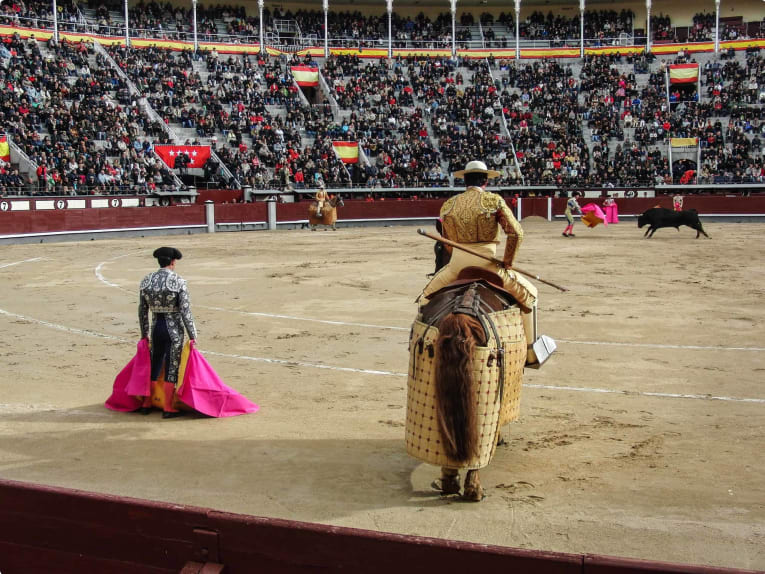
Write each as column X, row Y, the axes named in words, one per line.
column 641, row 437
column 127, row 125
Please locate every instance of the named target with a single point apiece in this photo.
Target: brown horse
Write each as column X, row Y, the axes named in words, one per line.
column 328, row 213
column 467, row 351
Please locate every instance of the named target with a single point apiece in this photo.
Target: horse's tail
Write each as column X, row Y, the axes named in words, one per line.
column 458, row 336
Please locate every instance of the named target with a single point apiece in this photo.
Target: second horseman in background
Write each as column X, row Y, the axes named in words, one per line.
column 474, row 218
column 321, row 197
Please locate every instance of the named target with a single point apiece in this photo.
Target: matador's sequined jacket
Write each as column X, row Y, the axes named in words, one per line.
column 164, row 291
column 475, row 216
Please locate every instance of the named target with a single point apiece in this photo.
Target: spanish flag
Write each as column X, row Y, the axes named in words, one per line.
column 348, row 152
column 683, row 73
column 5, row 150
column 305, row 76
column 683, row 142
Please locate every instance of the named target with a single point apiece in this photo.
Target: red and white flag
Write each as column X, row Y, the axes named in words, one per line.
column 348, row 152
column 305, row 76
column 198, row 154
column 683, row 73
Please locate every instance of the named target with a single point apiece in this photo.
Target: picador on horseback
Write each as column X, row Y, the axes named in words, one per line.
column 474, row 218
column 471, row 340
column 320, row 197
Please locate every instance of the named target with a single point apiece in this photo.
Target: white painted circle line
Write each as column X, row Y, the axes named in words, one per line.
column 392, row 328
column 96, row 334
column 660, row 346
column 645, row 393
column 89, row 333
column 4, row 265
column 305, row 364
column 293, row 318
column 103, row 279
column 63, row 327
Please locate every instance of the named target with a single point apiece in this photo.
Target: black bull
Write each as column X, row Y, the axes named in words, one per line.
column 658, row 217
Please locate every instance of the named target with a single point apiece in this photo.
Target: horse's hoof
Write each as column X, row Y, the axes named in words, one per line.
column 473, row 494
column 445, row 486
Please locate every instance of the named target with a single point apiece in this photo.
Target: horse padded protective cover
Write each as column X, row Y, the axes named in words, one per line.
column 423, row 438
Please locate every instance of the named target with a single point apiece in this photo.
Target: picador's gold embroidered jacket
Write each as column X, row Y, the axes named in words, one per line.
column 475, row 216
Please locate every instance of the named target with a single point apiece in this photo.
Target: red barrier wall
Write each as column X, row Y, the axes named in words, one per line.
column 366, row 210
column 63, row 220
column 93, row 219
column 49, row 529
column 241, row 212
column 219, row 195
column 535, row 206
column 704, row 204
column 531, row 206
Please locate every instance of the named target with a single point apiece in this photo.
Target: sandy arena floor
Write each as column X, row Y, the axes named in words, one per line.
column 643, row 436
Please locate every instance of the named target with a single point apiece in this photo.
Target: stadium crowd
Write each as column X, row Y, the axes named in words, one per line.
column 64, row 117
column 85, row 124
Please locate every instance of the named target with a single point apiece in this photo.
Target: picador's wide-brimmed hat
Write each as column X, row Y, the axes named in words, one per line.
column 167, row 253
column 476, row 166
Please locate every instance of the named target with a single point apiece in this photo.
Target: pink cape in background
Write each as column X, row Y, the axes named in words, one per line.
column 597, row 215
column 612, row 213
column 201, row 389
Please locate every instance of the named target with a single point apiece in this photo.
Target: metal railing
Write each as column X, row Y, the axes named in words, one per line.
column 330, row 96
column 26, row 164
column 507, row 130
column 728, row 184
column 98, row 47
column 301, row 96
column 224, row 168
column 312, row 38
column 143, row 103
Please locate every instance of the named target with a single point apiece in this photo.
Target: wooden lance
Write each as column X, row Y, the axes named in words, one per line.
column 499, row 262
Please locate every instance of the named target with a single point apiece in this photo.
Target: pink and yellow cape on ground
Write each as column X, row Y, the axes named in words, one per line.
column 201, row 388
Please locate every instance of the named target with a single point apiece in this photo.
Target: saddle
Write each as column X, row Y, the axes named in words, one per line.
column 476, row 291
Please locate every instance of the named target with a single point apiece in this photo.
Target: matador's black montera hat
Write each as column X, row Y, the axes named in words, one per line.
column 167, row 252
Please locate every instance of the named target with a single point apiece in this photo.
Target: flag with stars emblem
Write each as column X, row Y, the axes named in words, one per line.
column 198, row 154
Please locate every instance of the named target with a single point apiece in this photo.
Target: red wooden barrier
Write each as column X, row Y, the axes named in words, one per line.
column 704, row 204
column 21, row 222
column 358, row 209
column 219, row 195
column 48, row 529
column 94, row 219
column 241, row 212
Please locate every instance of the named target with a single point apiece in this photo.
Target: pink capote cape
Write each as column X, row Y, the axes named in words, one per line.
column 132, row 381
column 204, row 391
column 612, row 213
column 201, row 389
column 595, row 209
